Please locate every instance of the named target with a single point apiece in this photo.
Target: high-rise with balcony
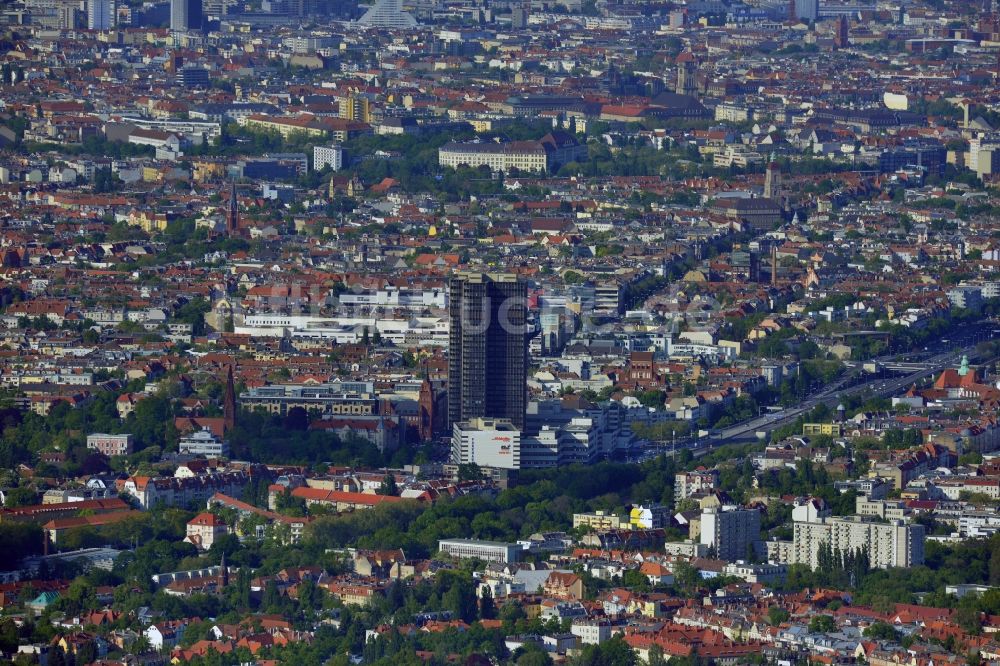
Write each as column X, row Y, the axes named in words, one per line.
column 100, row 14
column 487, row 354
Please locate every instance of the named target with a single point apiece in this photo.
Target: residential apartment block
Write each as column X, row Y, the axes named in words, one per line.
column 888, row 544
column 487, row 551
column 731, row 532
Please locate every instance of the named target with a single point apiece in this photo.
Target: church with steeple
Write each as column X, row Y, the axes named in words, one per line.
column 961, row 383
column 220, row 427
column 954, row 380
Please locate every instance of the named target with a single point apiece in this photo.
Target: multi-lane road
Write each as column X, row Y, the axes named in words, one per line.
column 942, row 354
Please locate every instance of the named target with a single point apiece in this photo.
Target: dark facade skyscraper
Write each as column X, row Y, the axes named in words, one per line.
column 488, row 352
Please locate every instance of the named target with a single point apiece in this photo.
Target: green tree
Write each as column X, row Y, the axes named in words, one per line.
column 822, row 624
column 271, row 599
column 388, row 485
column 777, row 615
column 969, row 619
column 635, row 580
column 614, row 652
column 470, row 472
column 9, row 637
column 487, row 608
column 686, row 575
column 86, row 653
column 532, row 655
column 20, row 496
column 458, row 596
column 882, row 631
column 193, row 312
column 510, row 613
column 310, row 596
column 652, row 398
column 19, row 540
column 57, row 657
column 104, row 182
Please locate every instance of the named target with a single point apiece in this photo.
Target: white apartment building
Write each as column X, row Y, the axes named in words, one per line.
column 967, row 297
column 689, row 483
column 976, row 524
column 522, row 155
column 882, row 509
column 487, row 551
column 584, row 439
column 738, row 156
column 888, row 544
column 564, row 437
column 954, row 487
column 984, row 154
column 204, row 530
column 542, row 450
column 104, row 316
column 328, row 156
column 203, row 443
column 194, row 131
column 767, row 574
column 593, row 631
column 309, row 43
column 736, row 113
column 581, row 441
column 686, row 548
column 989, row 288
column 487, row 443
column 416, row 331
column 397, row 297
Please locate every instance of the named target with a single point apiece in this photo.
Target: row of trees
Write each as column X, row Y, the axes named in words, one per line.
column 845, row 566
